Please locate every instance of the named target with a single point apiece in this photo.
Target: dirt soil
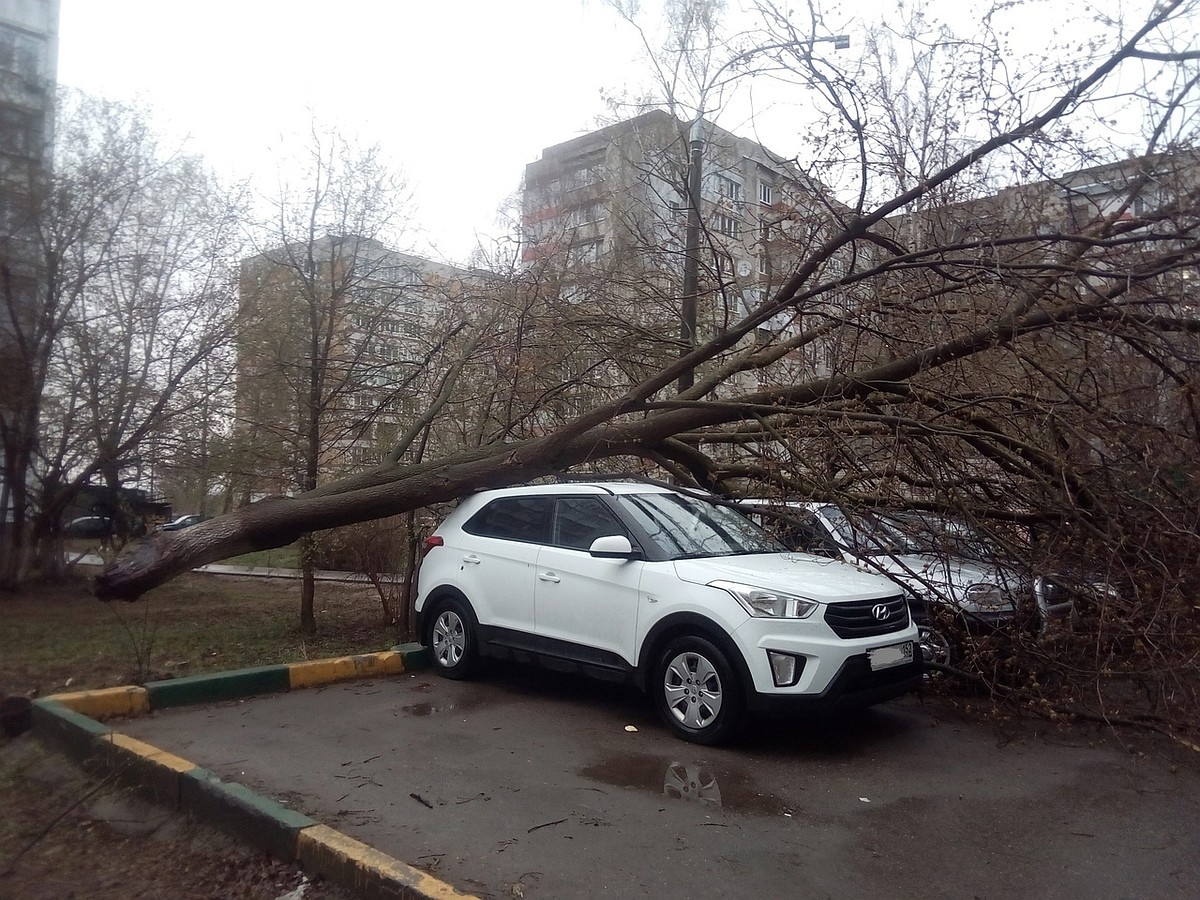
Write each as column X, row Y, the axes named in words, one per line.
column 64, row 835
column 67, row 835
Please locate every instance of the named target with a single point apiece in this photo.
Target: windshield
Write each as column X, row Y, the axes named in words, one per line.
column 869, row 535
column 899, row 534
column 687, row 527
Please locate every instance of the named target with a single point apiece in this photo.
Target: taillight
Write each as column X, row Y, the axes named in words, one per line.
column 432, row 541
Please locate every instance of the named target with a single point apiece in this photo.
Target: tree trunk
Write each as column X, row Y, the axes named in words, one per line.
column 308, row 584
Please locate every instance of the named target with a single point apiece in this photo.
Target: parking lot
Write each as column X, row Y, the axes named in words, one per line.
column 523, row 784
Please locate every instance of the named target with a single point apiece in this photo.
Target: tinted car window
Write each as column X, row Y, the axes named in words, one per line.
column 580, row 520
column 513, row 519
column 689, row 527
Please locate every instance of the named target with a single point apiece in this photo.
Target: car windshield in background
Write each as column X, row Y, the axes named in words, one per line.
column 936, row 534
column 688, row 527
column 873, row 534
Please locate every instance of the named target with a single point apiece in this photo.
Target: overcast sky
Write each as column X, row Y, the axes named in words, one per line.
column 461, row 93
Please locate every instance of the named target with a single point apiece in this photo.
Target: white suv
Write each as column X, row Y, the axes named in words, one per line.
column 682, row 596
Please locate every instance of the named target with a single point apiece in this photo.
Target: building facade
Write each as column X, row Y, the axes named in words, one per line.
column 335, row 356
column 28, row 70
column 609, row 212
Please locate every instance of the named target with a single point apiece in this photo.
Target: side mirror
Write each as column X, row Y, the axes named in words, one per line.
column 613, row 546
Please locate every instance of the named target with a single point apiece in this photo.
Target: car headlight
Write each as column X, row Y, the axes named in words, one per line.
column 765, row 603
column 984, row 597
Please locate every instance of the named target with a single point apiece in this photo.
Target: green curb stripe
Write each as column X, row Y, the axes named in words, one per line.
column 72, row 732
column 221, row 686
column 416, row 656
column 239, row 811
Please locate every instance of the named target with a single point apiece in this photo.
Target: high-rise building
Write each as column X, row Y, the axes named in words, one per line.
column 28, row 70
column 340, row 332
column 608, row 213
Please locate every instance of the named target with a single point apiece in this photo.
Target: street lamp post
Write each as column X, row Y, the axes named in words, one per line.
column 691, row 259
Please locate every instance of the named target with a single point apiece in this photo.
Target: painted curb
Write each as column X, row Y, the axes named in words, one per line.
column 232, row 685
column 364, row 870
column 106, row 702
column 239, row 811
column 63, row 720
column 325, row 671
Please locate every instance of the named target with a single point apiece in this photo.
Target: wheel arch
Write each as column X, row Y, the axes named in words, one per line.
column 689, row 623
column 435, row 596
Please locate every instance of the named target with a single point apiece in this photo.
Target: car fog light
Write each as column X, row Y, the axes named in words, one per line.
column 785, row 668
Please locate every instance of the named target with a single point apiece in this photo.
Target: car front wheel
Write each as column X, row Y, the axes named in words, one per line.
column 937, row 647
column 452, row 640
column 696, row 691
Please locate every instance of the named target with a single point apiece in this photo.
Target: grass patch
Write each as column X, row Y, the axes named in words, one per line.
column 278, row 557
column 61, row 638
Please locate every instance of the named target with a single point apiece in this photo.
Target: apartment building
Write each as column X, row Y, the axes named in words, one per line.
column 336, row 337
column 608, row 212
column 620, row 195
column 28, row 70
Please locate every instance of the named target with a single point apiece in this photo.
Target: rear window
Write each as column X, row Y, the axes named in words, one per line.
column 513, row 519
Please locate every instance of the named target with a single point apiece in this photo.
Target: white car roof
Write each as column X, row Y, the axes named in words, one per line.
column 577, row 487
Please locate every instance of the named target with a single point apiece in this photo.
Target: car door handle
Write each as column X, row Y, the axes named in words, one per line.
column 472, row 559
column 549, row 576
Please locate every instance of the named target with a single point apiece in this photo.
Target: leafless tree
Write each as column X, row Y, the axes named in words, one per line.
column 136, row 292
column 937, row 338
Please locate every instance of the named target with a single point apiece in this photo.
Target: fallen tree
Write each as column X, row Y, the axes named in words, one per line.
column 1110, row 274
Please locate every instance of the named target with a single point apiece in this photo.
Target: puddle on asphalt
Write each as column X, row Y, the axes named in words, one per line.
column 427, row 708
column 685, row 781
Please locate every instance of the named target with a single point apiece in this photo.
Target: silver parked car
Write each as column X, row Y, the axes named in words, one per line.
column 957, row 581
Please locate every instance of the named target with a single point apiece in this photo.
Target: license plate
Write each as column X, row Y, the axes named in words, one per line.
column 893, row 655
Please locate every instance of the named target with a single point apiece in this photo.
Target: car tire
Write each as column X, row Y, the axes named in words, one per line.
column 938, row 648
column 696, row 691
column 452, row 638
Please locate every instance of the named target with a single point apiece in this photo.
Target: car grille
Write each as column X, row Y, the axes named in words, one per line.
column 858, row 619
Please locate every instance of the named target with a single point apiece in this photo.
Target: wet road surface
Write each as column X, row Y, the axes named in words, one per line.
column 528, row 784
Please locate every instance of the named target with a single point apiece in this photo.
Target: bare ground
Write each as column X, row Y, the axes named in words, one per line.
column 62, row 833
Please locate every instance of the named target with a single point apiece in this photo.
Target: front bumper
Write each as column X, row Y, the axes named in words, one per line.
column 854, row 686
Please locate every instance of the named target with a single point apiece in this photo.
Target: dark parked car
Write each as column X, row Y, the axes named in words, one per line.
column 89, row 527
column 182, row 522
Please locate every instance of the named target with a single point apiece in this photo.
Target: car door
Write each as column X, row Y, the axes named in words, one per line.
column 500, row 545
column 584, row 603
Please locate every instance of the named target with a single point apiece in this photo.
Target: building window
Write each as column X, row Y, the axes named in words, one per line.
column 398, row 274
column 584, row 254
column 584, row 176
column 766, row 193
column 727, row 225
column 18, row 132
column 728, row 189
column 20, row 53
column 585, row 215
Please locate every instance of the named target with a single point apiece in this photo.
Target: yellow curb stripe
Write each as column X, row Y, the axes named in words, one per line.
column 106, row 702
column 151, row 753
column 344, row 668
column 366, row 871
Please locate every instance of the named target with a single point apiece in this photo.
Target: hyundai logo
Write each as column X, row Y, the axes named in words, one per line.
column 880, row 611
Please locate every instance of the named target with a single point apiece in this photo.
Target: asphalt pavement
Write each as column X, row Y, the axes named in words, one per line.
column 527, row 784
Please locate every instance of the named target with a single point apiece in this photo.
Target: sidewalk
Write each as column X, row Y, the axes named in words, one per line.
column 91, row 559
